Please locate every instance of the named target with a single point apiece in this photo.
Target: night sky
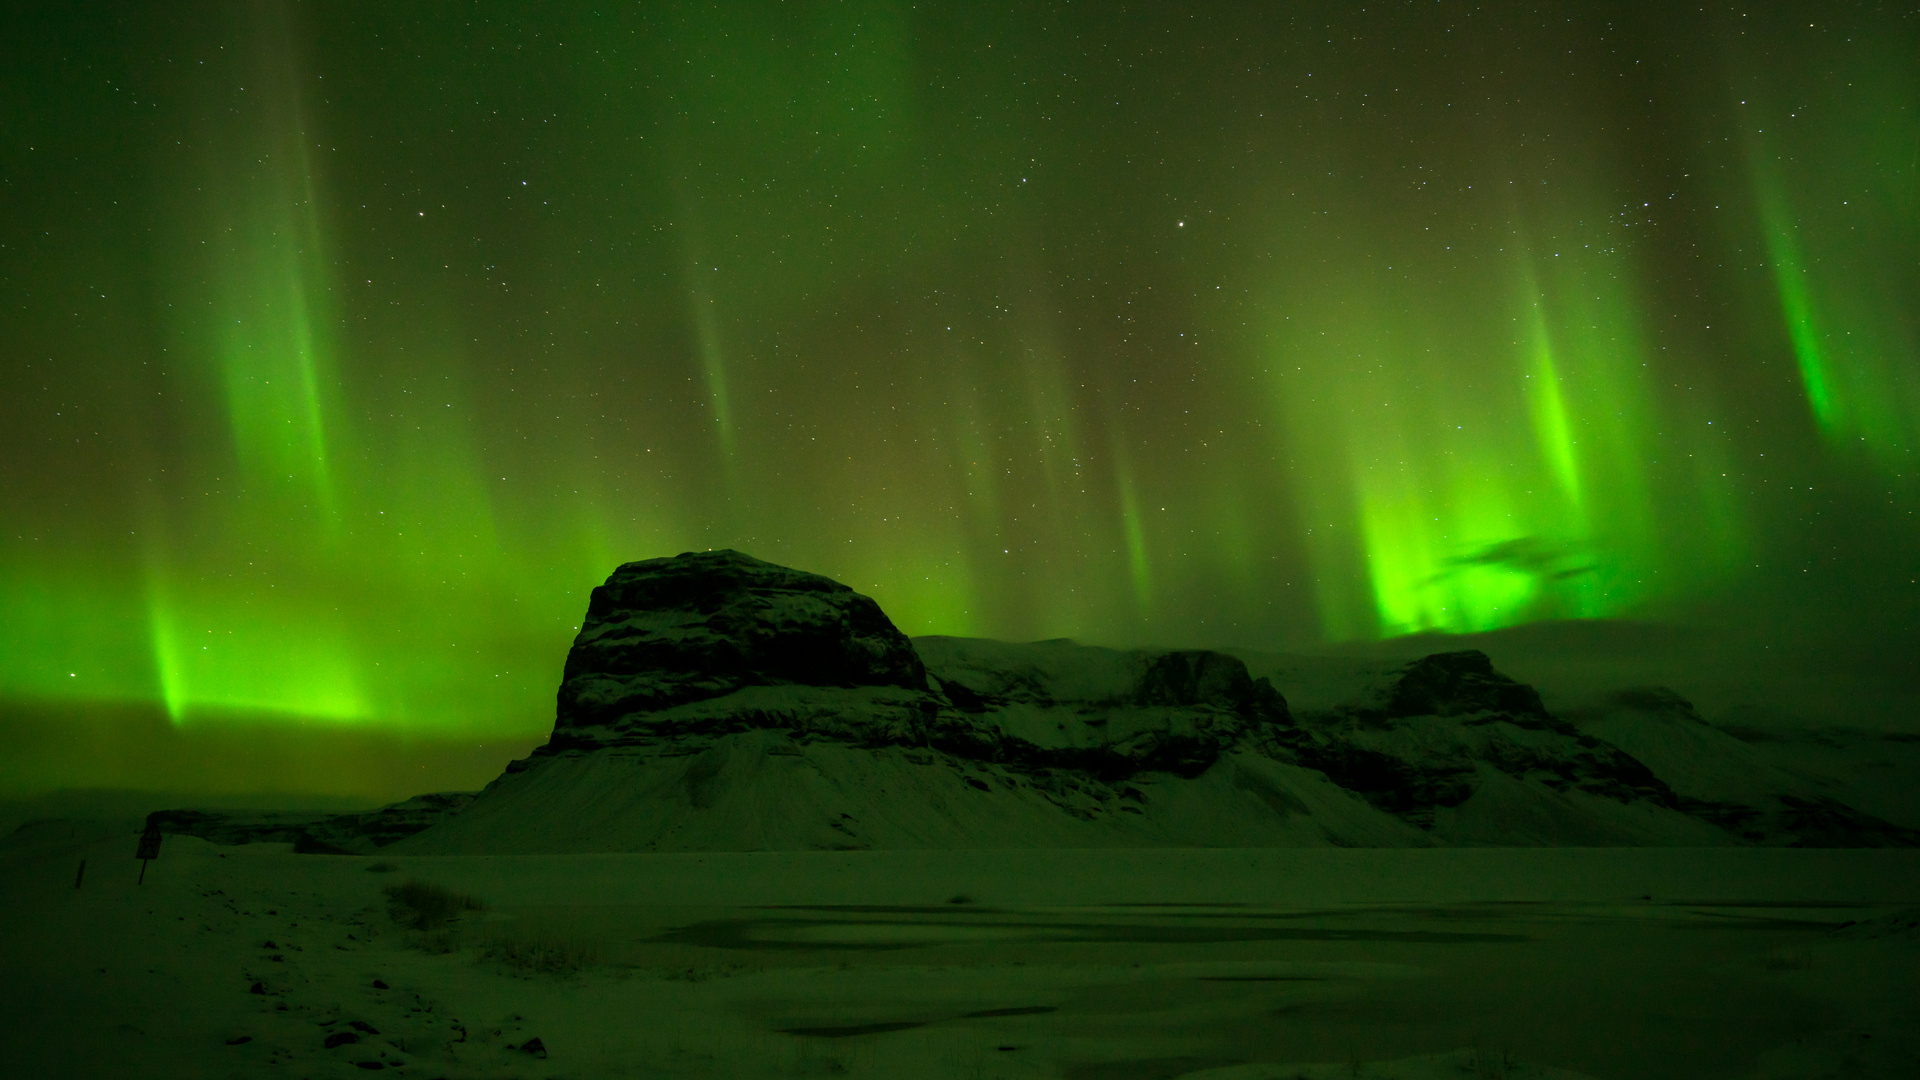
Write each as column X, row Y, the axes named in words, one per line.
column 345, row 347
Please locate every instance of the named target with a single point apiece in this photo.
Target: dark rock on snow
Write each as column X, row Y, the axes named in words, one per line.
column 1461, row 684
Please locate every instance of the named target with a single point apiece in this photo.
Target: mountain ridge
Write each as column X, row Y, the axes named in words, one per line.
column 712, row 701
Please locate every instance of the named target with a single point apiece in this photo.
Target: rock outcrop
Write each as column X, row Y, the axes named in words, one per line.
column 667, row 632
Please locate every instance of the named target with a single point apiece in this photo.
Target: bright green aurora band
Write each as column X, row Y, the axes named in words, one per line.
column 348, row 346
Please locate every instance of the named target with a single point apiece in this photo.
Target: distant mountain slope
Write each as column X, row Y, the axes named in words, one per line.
column 1721, row 778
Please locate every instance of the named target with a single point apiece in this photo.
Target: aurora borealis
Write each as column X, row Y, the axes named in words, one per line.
column 347, row 346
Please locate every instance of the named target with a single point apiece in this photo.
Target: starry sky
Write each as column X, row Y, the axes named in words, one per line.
column 344, row 347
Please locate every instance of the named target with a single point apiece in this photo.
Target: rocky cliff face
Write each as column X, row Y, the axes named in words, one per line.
column 666, row 632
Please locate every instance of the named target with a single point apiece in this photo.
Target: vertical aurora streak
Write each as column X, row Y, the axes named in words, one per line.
column 1855, row 351
column 1549, row 408
column 270, row 282
column 1834, row 172
column 704, row 312
column 714, row 365
column 223, row 655
column 1790, row 279
column 1133, row 531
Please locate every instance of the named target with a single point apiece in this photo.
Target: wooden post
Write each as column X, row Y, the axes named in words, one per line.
column 148, row 850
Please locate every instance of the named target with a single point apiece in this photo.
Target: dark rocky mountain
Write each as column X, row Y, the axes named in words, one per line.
column 713, row 701
column 669, row 631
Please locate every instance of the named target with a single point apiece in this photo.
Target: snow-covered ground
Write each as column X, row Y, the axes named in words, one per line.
column 1227, row 963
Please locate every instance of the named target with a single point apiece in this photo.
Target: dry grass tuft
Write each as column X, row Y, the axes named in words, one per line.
column 419, row 905
column 542, row 954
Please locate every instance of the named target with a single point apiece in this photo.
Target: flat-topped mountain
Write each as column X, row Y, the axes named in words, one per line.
column 713, row 701
column 669, row 632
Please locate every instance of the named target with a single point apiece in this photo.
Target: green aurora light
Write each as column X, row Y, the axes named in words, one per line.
column 351, row 347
